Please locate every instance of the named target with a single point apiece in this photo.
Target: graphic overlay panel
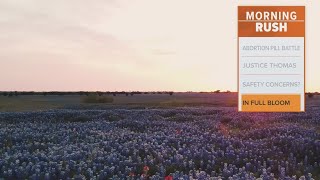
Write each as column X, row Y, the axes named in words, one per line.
column 271, row 58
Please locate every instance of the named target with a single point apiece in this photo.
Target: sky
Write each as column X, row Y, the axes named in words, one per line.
column 115, row 45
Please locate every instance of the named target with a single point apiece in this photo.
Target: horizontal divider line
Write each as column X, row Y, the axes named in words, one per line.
column 271, row 74
column 272, row 56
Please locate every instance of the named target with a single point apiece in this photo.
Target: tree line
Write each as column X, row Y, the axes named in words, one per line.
column 81, row 93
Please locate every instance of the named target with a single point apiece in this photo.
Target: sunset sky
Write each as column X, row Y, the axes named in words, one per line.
column 179, row 45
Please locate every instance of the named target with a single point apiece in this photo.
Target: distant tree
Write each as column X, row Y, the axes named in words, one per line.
column 127, row 94
column 44, row 93
column 114, row 94
column 30, row 93
column 171, row 93
column 10, row 94
column 310, row 95
column 99, row 93
column 217, row 91
column 228, row 91
column 5, row 94
column 132, row 93
column 138, row 92
column 16, row 93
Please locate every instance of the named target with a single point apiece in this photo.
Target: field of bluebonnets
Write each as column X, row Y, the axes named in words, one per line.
column 158, row 143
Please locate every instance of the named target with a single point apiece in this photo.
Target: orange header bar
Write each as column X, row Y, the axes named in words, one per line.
column 271, row 21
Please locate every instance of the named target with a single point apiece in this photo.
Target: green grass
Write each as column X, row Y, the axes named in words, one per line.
column 39, row 102
column 34, row 103
column 94, row 99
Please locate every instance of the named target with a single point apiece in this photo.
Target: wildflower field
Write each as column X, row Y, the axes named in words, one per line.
column 152, row 142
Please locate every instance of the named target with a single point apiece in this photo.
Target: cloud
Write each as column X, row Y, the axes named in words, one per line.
column 65, row 28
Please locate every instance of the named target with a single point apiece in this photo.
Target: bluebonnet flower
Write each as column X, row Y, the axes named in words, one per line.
column 182, row 143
